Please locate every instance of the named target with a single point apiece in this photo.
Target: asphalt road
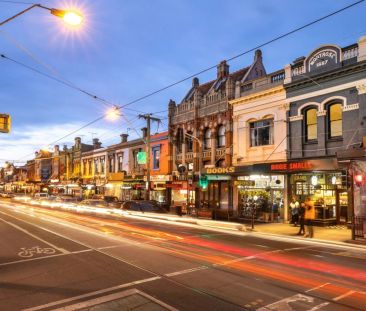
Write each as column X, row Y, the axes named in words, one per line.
column 53, row 259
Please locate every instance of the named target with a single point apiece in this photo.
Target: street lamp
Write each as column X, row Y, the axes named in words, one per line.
column 70, row 17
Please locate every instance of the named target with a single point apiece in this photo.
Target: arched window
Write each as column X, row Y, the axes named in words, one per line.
column 335, row 120
column 311, row 124
column 189, row 141
column 221, row 136
column 179, row 139
column 207, row 139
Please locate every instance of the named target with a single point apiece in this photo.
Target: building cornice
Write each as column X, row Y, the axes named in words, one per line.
column 257, row 95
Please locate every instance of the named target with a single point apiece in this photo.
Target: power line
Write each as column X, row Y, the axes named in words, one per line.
column 186, row 78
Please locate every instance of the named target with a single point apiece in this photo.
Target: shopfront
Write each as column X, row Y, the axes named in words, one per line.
column 182, row 194
column 324, row 183
column 133, row 189
column 262, row 197
column 158, row 189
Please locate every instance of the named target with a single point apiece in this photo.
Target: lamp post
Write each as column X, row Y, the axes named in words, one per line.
column 70, row 17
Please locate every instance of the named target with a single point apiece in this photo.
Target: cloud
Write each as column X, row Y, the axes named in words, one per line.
column 20, row 145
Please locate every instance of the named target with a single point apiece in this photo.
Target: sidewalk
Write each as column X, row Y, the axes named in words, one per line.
column 333, row 234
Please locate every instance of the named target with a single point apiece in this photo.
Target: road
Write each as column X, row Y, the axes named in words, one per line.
column 51, row 259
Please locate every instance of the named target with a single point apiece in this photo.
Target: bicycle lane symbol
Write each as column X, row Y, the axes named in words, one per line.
column 36, row 250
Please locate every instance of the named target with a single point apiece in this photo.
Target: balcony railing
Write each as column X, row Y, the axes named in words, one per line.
column 298, row 71
column 179, row 157
column 220, row 152
column 350, row 52
column 207, row 154
column 189, row 156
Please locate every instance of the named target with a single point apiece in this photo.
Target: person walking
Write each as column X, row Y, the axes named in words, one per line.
column 301, row 215
column 309, row 217
column 294, row 205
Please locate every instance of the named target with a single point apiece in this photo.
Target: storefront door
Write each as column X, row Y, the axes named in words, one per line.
column 343, row 215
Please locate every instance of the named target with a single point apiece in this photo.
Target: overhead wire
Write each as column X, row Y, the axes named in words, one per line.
column 181, row 80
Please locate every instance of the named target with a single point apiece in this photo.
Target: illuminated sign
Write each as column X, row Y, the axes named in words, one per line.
column 306, row 165
column 220, row 170
column 244, row 183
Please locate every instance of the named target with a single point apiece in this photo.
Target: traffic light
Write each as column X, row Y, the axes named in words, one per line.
column 5, row 122
column 203, row 182
column 359, row 179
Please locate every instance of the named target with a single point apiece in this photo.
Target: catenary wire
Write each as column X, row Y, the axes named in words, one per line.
column 189, row 77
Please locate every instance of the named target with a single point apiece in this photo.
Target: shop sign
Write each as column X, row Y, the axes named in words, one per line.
column 220, row 170
column 244, row 183
column 116, row 176
column 309, row 165
column 218, row 177
column 158, row 178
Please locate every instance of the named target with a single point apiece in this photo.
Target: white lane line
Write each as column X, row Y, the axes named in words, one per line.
column 344, row 295
column 102, row 291
column 260, row 245
column 44, row 257
column 186, row 271
column 319, row 306
column 317, row 287
column 109, row 247
column 62, row 250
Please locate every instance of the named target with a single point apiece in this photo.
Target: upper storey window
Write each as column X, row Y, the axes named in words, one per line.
column 311, row 121
column 207, row 139
column 261, row 133
column 335, row 120
column 221, row 136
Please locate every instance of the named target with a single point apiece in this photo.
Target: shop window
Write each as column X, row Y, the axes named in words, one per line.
column 189, row 142
column 207, row 139
column 261, row 133
column 311, row 128
column 335, row 120
column 156, row 158
column 221, row 136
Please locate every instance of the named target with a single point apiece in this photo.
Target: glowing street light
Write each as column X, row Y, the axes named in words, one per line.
column 113, row 114
column 68, row 16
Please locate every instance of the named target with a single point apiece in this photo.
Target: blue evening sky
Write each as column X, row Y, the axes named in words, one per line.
column 129, row 48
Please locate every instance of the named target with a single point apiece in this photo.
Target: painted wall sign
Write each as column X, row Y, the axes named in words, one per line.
column 306, row 165
column 323, row 58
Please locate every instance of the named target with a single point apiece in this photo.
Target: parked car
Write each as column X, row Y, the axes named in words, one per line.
column 94, row 203
column 143, row 206
column 7, row 195
column 41, row 195
column 111, row 200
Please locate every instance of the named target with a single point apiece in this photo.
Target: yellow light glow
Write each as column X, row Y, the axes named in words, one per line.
column 72, row 18
column 113, row 114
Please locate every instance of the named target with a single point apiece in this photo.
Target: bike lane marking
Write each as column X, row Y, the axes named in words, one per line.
column 62, row 250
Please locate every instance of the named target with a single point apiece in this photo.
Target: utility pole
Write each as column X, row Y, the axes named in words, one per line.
column 148, row 119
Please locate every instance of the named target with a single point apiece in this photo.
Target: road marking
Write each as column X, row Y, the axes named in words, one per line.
column 260, row 245
column 283, row 304
column 319, row 306
column 317, row 287
column 98, row 301
column 30, row 252
column 186, row 271
column 344, row 295
column 64, row 251
column 102, row 291
column 44, row 257
column 108, row 247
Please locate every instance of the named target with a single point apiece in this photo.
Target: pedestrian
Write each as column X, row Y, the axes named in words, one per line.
column 294, row 205
column 301, row 219
column 309, row 217
column 275, row 208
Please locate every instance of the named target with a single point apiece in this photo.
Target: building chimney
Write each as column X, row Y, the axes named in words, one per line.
column 96, row 143
column 257, row 55
column 65, row 148
column 124, row 138
column 144, row 132
column 56, row 148
column 195, row 82
column 222, row 70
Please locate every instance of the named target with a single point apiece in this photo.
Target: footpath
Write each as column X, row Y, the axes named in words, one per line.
column 331, row 234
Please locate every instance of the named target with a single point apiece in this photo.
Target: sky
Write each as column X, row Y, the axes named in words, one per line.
column 127, row 49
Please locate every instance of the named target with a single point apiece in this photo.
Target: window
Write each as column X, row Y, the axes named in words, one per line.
column 96, row 168
column 261, row 133
column 156, row 158
column 189, row 142
column 84, row 167
column 102, row 163
column 111, row 164
column 120, row 162
column 207, row 139
column 180, row 139
column 311, row 129
column 135, row 163
column 90, row 167
column 221, row 136
column 335, row 120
